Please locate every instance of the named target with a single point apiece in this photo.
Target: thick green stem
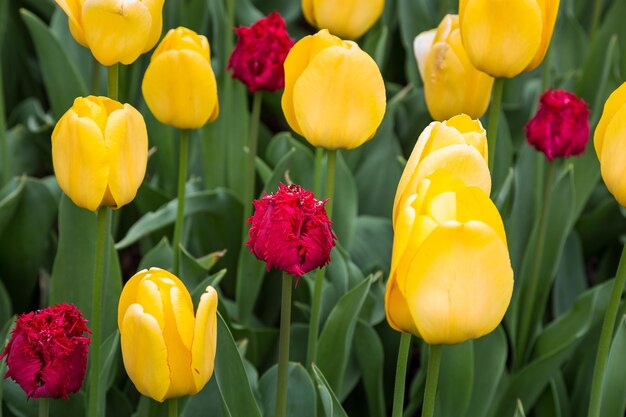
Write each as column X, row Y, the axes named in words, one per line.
column 605, row 337
column 180, row 209
column 44, row 406
column 172, row 407
column 283, row 347
column 319, row 274
column 494, row 115
column 525, row 329
column 432, row 376
column 595, row 17
column 398, row 391
column 252, row 148
column 317, row 178
column 113, row 81
column 97, row 299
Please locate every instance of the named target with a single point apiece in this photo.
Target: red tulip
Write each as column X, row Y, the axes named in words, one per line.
column 291, row 231
column 561, row 125
column 47, row 353
column 261, row 49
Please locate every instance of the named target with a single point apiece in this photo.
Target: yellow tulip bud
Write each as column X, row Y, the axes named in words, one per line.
column 167, row 352
column 347, row 18
column 609, row 141
column 451, row 278
column 179, row 84
column 452, row 85
column 506, row 37
column 115, row 30
column 334, row 93
column 100, row 152
column 458, row 145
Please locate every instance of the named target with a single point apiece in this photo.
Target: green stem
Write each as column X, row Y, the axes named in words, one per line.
column 494, row 114
column 605, row 337
column 525, row 329
column 432, row 376
column 44, row 406
column 113, row 81
column 547, row 65
column 97, row 299
column 3, row 138
column 331, row 165
column 317, row 179
column 180, row 209
column 252, row 149
column 172, row 407
column 595, row 17
column 398, row 391
column 283, row 347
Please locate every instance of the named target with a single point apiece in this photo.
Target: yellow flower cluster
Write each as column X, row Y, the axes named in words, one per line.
column 451, row 278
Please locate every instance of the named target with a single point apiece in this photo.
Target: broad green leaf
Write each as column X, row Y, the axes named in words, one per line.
column 212, row 280
column 206, row 402
column 160, row 256
column 6, row 309
column 301, row 400
column 331, row 405
column 60, row 75
column 231, row 376
column 370, row 357
column 456, row 377
column 250, row 273
column 335, row 342
column 571, row 279
column 290, row 158
column 147, row 407
column 371, row 247
column 613, row 402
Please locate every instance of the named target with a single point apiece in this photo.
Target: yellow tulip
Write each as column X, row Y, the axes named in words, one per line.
column 100, row 152
column 115, row 30
column 179, row 84
column 609, row 141
column 506, row 37
column 334, row 93
column 167, row 352
column 451, row 278
column 458, row 145
column 347, row 18
column 452, row 85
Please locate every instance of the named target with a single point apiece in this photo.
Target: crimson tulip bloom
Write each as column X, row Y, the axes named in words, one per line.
column 47, row 353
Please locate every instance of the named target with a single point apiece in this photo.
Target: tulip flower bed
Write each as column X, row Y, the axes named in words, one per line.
column 315, row 208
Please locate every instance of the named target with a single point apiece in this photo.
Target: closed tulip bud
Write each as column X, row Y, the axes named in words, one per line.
column 334, row 92
column 291, row 231
column 167, row 352
column 458, row 145
column 451, row 278
column 561, row 125
column 100, row 152
column 506, row 37
column 115, row 30
column 47, row 352
column 610, row 143
column 347, row 18
column 452, row 85
column 179, row 84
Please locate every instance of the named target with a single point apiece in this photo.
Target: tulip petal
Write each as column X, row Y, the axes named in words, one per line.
column 613, row 158
column 72, row 9
column 80, row 160
column 397, row 309
column 348, row 19
column 421, row 47
column 144, row 353
column 129, row 295
column 501, row 37
column 339, row 99
column 307, row 11
column 205, row 339
column 126, row 139
column 549, row 11
column 155, row 7
column 180, row 89
column 116, row 31
column 613, row 104
column 460, row 283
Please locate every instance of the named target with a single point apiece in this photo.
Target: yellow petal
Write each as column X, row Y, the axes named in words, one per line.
column 307, row 11
column 348, row 19
column 339, row 99
column 155, row 7
column 180, row 89
column 73, row 10
column 549, row 11
column 421, row 48
column 460, row 283
column 126, row 138
column 205, row 339
column 397, row 310
column 613, row 158
column 144, row 353
column 80, row 160
column 129, row 294
column 501, row 37
column 613, row 104
column 116, row 30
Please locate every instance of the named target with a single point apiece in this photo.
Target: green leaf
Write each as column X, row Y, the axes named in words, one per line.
column 250, row 273
column 301, row 400
column 212, row 280
column 6, row 310
column 613, row 402
column 160, row 256
column 571, row 278
column 62, row 80
column 332, row 406
column 206, row 402
column 231, row 376
column 371, row 247
column 335, row 342
column 370, row 357
column 456, row 377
